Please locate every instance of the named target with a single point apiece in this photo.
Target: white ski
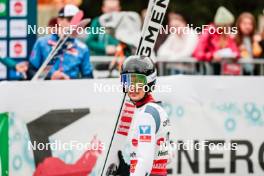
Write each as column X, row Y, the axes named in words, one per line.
column 155, row 14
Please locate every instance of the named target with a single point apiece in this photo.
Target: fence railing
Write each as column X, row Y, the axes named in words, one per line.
column 204, row 68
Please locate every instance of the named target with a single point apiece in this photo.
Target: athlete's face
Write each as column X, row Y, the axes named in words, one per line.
column 136, row 94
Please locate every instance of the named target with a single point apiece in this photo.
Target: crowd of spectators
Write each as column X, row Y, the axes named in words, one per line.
column 234, row 41
column 221, row 49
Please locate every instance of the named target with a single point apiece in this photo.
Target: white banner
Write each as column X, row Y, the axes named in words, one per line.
column 224, row 110
column 202, row 110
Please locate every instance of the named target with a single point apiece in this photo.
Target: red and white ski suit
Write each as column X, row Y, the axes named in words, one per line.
column 148, row 133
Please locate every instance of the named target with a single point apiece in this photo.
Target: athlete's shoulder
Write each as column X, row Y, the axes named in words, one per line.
column 155, row 106
column 45, row 41
column 155, row 112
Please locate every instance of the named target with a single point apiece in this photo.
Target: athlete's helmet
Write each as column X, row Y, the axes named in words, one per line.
column 138, row 70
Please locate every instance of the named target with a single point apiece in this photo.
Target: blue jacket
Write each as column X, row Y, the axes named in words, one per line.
column 73, row 59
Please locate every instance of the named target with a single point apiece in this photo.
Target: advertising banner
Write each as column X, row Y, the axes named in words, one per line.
column 65, row 127
column 15, row 41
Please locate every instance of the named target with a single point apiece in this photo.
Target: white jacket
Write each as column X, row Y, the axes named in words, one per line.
column 147, row 135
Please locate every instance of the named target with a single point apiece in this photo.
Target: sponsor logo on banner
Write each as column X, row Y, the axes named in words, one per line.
column 145, row 133
column 18, row 48
column 2, row 8
column 3, row 48
column 18, row 7
column 3, row 28
column 18, row 28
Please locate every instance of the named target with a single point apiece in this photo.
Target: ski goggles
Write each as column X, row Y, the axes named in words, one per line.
column 132, row 81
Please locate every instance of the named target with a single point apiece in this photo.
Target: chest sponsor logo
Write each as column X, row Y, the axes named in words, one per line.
column 145, row 129
column 145, row 133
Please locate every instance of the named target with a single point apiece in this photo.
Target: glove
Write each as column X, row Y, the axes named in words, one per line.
column 123, row 168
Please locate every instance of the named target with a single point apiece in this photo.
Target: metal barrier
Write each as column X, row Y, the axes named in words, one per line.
column 203, row 67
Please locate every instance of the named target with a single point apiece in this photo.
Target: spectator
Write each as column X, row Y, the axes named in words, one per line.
column 262, row 41
column 59, row 4
column 180, row 44
column 52, row 23
column 246, row 39
column 217, row 45
column 103, row 44
column 262, row 44
column 126, row 28
column 20, row 67
column 143, row 14
column 72, row 61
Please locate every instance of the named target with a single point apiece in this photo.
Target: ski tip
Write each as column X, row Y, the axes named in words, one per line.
column 84, row 22
column 77, row 18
